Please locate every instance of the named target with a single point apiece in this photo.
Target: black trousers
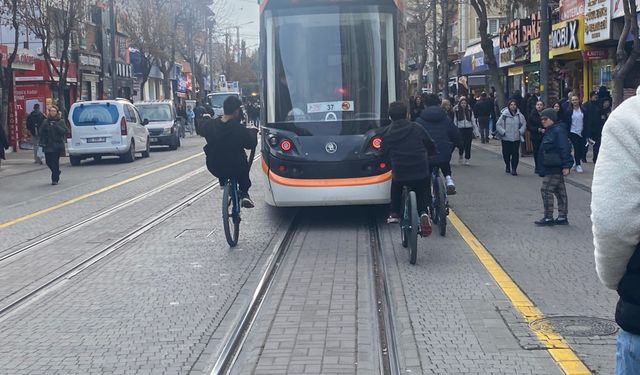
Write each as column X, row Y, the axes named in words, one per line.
column 422, row 189
column 444, row 167
column 242, row 176
column 536, row 146
column 511, row 154
column 578, row 147
column 483, row 124
column 596, row 148
column 467, row 136
column 53, row 162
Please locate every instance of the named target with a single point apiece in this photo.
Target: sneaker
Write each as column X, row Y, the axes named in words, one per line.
column 561, row 221
column 393, row 218
column 247, row 202
column 579, row 169
column 54, row 182
column 425, row 225
column 507, row 170
column 460, row 159
column 545, row 222
column 451, row 186
column 467, row 162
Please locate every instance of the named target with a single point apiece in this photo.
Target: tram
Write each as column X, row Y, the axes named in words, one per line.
column 330, row 68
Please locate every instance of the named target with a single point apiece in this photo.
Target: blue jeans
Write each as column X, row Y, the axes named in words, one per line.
column 627, row 353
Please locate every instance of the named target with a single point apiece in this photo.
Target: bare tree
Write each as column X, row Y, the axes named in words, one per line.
column 10, row 17
column 54, row 22
column 625, row 61
column 419, row 12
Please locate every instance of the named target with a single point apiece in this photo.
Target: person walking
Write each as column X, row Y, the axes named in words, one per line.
column 574, row 117
column 553, row 162
column 616, row 225
column 592, row 111
column 483, row 111
column 53, row 133
column 4, row 144
column 510, row 129
column 416, row 108
column 596, row 132
column 34, row 120
column 446, row 106
column 536, row 129
column 463, row 119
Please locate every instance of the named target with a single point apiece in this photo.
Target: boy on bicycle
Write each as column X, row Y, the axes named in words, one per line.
column 408, row 146
column 227, row 139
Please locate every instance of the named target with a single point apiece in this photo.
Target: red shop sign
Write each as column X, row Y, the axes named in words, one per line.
column 596, row 54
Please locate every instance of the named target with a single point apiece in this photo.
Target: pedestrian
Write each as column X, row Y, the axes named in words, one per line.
column 417, row 108
column 536, row 129
column 446, row 106
column 532, row 101
column 616, row 225
column 596, row 132
column 483, row 111
column 592, row 111
column 510, row 128
column 4, row 144
column 191, row 116
column 199, row 112
column 574, row 117
column 53, row 133
column 565, row 103
column 463, row 119
column 34, row 120
column 553, row 164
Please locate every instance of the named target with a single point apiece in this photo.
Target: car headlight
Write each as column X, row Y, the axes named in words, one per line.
column 166, row 131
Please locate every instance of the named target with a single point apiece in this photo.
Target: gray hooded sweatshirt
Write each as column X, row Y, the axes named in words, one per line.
column 511, row 127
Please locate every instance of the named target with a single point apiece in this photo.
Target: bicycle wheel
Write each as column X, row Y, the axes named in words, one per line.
column 415, row 224
column 229, row 221
column 435, row 198
column 442, row 208
column 405, row 221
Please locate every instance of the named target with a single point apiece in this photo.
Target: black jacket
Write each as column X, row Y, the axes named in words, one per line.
column 33, row 121
column 408, row 146
column 566, row 118
column 484, row 108
column 4, row 142
column 225, row 147
column 534, row 124
column 628, row 308
column 592, row 115
column 442, row 130
column 53, row 135
column 555, row 143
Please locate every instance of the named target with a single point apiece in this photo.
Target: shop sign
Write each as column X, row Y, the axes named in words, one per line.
column 521, row 53
column 618, row 8
column 520, row 30
column 25, row 60
column 567, row 37
column 516, row 71
column 595, row 54
column 507, row 57
column 570, row 9
column 534, row 49
column 90, row 61
column 597, row 21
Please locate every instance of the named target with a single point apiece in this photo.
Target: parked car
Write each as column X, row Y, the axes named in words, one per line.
column 164, row 126
column 106, row 127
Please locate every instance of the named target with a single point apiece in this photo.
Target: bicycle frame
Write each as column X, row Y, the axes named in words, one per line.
column 235, row 198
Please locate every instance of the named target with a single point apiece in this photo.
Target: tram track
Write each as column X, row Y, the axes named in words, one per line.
column 76, row 268
column 233, row 343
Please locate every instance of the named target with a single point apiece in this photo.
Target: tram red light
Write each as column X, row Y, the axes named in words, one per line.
column 382, row 165
column 282, row 168
column 285, row 145
column 376, row 143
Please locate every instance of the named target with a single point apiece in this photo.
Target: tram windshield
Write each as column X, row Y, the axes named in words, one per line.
column 329, row 66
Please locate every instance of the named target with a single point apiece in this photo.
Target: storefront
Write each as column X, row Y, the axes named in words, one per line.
column 473, row 67
column 124, row 81
column 567, row 44
column 515, row 51
column 600, row 47
column 90, row 67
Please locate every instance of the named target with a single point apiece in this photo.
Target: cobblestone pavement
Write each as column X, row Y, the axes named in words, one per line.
column 320, row 316
column 554, row 265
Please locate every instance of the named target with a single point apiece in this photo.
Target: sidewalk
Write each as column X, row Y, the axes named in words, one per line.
column 582, row 180
column 21, row 162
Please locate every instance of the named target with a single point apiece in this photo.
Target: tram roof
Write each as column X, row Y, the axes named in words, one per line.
column 288, row 3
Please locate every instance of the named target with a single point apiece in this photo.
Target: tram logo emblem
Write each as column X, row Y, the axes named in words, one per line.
column 331, row 147
column 346, row 106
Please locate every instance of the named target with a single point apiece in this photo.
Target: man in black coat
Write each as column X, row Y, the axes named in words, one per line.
column 408, row 146
column 34, row 120
column 484, row 113
column 445, row 135
column 227, row 139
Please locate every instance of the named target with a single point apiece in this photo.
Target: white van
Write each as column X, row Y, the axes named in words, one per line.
column 216, row 99
column 106, row 127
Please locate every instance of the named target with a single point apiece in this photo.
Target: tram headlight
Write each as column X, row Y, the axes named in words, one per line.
column 376, row 143
column 273, row 141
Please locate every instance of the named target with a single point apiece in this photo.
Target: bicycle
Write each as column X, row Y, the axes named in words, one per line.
column 231, row 204
column 440, row 201
column 410, row 223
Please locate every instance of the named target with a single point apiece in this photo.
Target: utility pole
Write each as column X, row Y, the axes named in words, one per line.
column 238, row 44
column 434, row 15
column 114, row 48
column 544, row 50
column 444, row 44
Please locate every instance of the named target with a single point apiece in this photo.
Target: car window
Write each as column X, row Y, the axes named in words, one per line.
column 156, row 112
column 95, row 114
column 132, row 114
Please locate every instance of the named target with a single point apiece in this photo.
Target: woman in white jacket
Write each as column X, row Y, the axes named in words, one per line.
column 463, row 118
column 510, row 129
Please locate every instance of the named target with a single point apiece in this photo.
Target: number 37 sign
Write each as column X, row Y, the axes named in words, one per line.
column 343, row 106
